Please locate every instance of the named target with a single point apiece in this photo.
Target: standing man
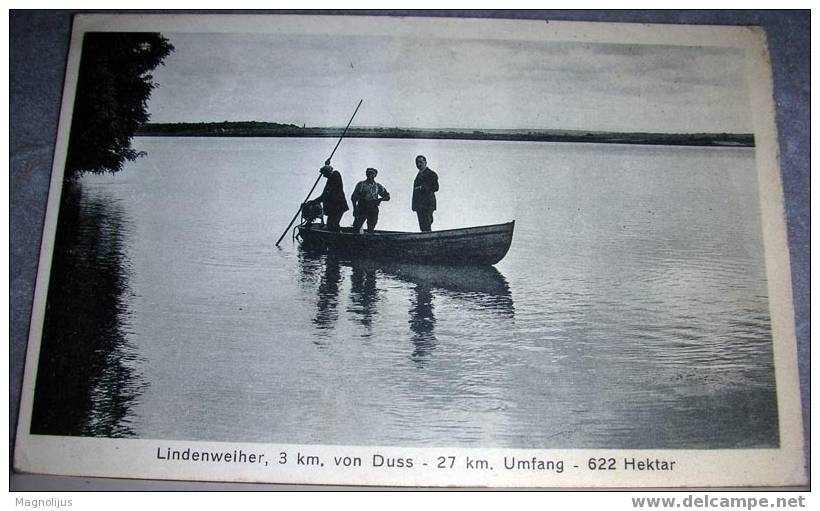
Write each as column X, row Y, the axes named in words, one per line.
column 366, row 199
column 332, row 198
column 425, row 187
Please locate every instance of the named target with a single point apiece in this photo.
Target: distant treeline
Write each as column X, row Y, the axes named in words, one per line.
column 272, row 129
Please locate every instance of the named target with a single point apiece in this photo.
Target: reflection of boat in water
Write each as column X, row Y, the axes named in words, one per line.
column 472, row 246
column 482, row 287
column 480, row 290
column 462, row 280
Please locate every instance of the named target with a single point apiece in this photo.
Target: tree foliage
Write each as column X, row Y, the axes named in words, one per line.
column 113, row 89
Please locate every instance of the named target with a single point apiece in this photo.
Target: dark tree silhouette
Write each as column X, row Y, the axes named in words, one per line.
column 113, row 88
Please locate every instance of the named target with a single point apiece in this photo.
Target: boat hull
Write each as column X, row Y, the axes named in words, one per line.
column 475, row 246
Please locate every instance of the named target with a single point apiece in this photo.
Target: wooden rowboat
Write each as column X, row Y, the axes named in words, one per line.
column 474, row 246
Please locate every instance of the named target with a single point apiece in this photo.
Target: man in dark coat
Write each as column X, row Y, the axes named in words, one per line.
column 333, row 198
column 425, row 187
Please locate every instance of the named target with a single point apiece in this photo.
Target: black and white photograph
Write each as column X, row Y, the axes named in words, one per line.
column 359, row 250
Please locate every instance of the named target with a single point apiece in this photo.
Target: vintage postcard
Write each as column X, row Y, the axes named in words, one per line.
column 414, row 252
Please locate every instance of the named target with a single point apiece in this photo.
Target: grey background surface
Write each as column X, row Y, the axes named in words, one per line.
column 38, row 50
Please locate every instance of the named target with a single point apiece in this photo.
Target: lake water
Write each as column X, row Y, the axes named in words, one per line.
column 631, row 310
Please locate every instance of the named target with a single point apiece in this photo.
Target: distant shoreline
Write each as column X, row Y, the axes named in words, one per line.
column 263, row 129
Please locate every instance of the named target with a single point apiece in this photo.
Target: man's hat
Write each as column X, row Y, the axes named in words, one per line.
column 371, row 169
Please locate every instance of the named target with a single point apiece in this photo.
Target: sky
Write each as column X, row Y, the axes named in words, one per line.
column 317, row 80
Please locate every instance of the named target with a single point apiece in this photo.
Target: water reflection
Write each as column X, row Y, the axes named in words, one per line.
column 364, row 295
column 328, row 294
column 422, row 324
column 483, row 287
column 87, row 382
column 474, row 288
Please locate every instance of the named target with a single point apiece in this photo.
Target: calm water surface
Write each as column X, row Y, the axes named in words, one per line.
column 631, row 310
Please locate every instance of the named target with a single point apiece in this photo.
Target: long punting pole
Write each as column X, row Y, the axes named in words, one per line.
column 320, row 176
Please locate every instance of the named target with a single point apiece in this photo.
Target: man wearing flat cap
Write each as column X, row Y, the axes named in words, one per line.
column 333, row 197
column 366, row 199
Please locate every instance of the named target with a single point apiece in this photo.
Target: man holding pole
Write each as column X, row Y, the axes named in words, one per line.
column 333, row 196
column 333, row 199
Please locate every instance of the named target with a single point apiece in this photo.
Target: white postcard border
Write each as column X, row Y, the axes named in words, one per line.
column 130, row 458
